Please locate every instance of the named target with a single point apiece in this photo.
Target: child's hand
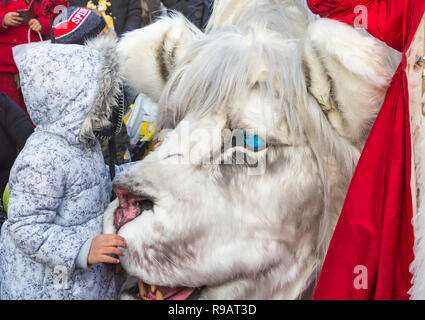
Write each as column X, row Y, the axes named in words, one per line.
column 12, row 19
column 35, row 25
column 104, row 245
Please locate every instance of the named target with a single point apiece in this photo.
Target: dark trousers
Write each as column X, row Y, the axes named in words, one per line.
column 199, row 12
column 9, row 86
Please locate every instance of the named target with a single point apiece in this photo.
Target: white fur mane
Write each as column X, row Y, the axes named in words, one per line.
column 222, row 68
column 264, row 61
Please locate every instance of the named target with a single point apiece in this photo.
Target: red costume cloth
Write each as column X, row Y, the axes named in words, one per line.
column 375, row 226
column 11, row 37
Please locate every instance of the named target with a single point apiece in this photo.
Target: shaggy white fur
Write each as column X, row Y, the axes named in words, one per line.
column 109, row 77
column 150, row 54
column 303, row 87
column 418, row 128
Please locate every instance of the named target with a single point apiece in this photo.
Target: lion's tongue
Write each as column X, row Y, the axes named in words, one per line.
column 170, row 293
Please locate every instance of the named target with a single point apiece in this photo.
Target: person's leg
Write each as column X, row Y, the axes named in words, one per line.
column 195, row 11
column 208, row 7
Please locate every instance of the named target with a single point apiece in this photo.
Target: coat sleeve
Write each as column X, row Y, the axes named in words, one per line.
column 384, row 17
column 37, row 187
column 120, row 168
column 45, row 26
column 134, row 16
column 2, row 27
column 42, row 18
column 15, row 122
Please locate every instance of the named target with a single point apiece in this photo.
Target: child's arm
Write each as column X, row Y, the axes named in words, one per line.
column 125, row 166
column 37, row 192
column 119, row 169
column 99, row 249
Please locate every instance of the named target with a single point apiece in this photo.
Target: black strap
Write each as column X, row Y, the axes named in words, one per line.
column 3, row 215
column 52, row 32
column 112, row 154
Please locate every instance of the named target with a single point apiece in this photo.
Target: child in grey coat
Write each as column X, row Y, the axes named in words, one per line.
column 51, row 246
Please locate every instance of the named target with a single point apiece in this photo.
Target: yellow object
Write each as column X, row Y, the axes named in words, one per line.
column 101, row 7
column 146, row 132
column 147, row 135
column 129, row 114
column 142, row 290
column 6, row 198
column 159, row 295
column 126, row 155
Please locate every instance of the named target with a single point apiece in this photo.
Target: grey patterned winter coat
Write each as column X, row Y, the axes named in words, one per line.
column 59, row 184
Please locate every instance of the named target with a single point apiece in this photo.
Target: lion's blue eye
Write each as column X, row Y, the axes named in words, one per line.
column 253, row 141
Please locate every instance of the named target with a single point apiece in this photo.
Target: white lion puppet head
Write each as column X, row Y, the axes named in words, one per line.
column 266, row 126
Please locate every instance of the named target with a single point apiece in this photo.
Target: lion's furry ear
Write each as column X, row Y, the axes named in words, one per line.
column 349, row 92
column 150, row 54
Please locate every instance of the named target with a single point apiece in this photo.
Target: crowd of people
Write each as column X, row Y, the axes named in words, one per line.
column 50, row 134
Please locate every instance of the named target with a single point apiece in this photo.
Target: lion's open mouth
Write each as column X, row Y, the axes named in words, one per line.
column 131, row 206
column 150, row 292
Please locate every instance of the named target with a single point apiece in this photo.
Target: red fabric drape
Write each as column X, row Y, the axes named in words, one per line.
column 375, row 229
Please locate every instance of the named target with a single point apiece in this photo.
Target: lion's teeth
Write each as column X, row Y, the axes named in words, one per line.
column 142, row 290
column 153, row 289
column 159, row 295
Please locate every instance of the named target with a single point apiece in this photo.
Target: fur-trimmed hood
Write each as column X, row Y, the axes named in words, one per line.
column 69, row 90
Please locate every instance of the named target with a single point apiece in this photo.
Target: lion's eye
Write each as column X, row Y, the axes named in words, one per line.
column 254, row 142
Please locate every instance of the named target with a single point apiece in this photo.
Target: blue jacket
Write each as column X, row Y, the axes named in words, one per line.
column 59, row 186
